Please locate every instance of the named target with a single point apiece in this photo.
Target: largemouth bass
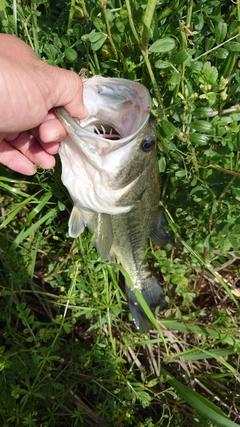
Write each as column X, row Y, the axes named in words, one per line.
column 110, row 168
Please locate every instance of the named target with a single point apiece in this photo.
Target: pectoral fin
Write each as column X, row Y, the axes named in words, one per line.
column 76, row 223
column 104, row 235
column 159, row 233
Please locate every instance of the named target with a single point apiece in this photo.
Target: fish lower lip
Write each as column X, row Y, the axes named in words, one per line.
column 106, row 132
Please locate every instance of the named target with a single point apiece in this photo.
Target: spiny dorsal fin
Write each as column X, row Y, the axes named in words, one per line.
column 159, row 233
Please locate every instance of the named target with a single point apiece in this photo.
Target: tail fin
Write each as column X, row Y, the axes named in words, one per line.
column 154, row 297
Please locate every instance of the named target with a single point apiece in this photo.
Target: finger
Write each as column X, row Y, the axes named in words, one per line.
column 51, row 130
column 31, row 148
column 15, row 160
column 45, row 138
column 50, row 148
column 10, row 136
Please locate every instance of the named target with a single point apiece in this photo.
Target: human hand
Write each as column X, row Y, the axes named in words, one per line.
column 30, row 88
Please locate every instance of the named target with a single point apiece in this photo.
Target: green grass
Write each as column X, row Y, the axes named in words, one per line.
column 69, row 353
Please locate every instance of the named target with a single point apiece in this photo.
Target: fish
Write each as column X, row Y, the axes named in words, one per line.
column 110, row 168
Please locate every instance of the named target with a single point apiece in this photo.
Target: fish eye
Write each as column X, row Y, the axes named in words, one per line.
column 148, row 144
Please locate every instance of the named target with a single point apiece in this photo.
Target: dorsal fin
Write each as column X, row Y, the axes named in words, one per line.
column 159, row 233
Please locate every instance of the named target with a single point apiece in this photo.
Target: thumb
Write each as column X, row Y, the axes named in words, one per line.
column 66, row 90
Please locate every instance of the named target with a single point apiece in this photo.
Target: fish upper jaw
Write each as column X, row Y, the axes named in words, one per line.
column 121, row 103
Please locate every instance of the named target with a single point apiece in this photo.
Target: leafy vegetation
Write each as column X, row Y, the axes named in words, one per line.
column 69, row 354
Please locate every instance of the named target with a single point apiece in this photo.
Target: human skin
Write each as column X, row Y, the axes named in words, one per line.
column 29, row 88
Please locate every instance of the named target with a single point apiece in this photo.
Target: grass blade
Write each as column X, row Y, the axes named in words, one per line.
column 203, row 406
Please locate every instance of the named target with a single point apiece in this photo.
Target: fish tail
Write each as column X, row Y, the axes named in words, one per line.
column 154, row 297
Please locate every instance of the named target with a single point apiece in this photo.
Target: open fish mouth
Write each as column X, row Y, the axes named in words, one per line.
column 118, row 108
column 106, row 132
